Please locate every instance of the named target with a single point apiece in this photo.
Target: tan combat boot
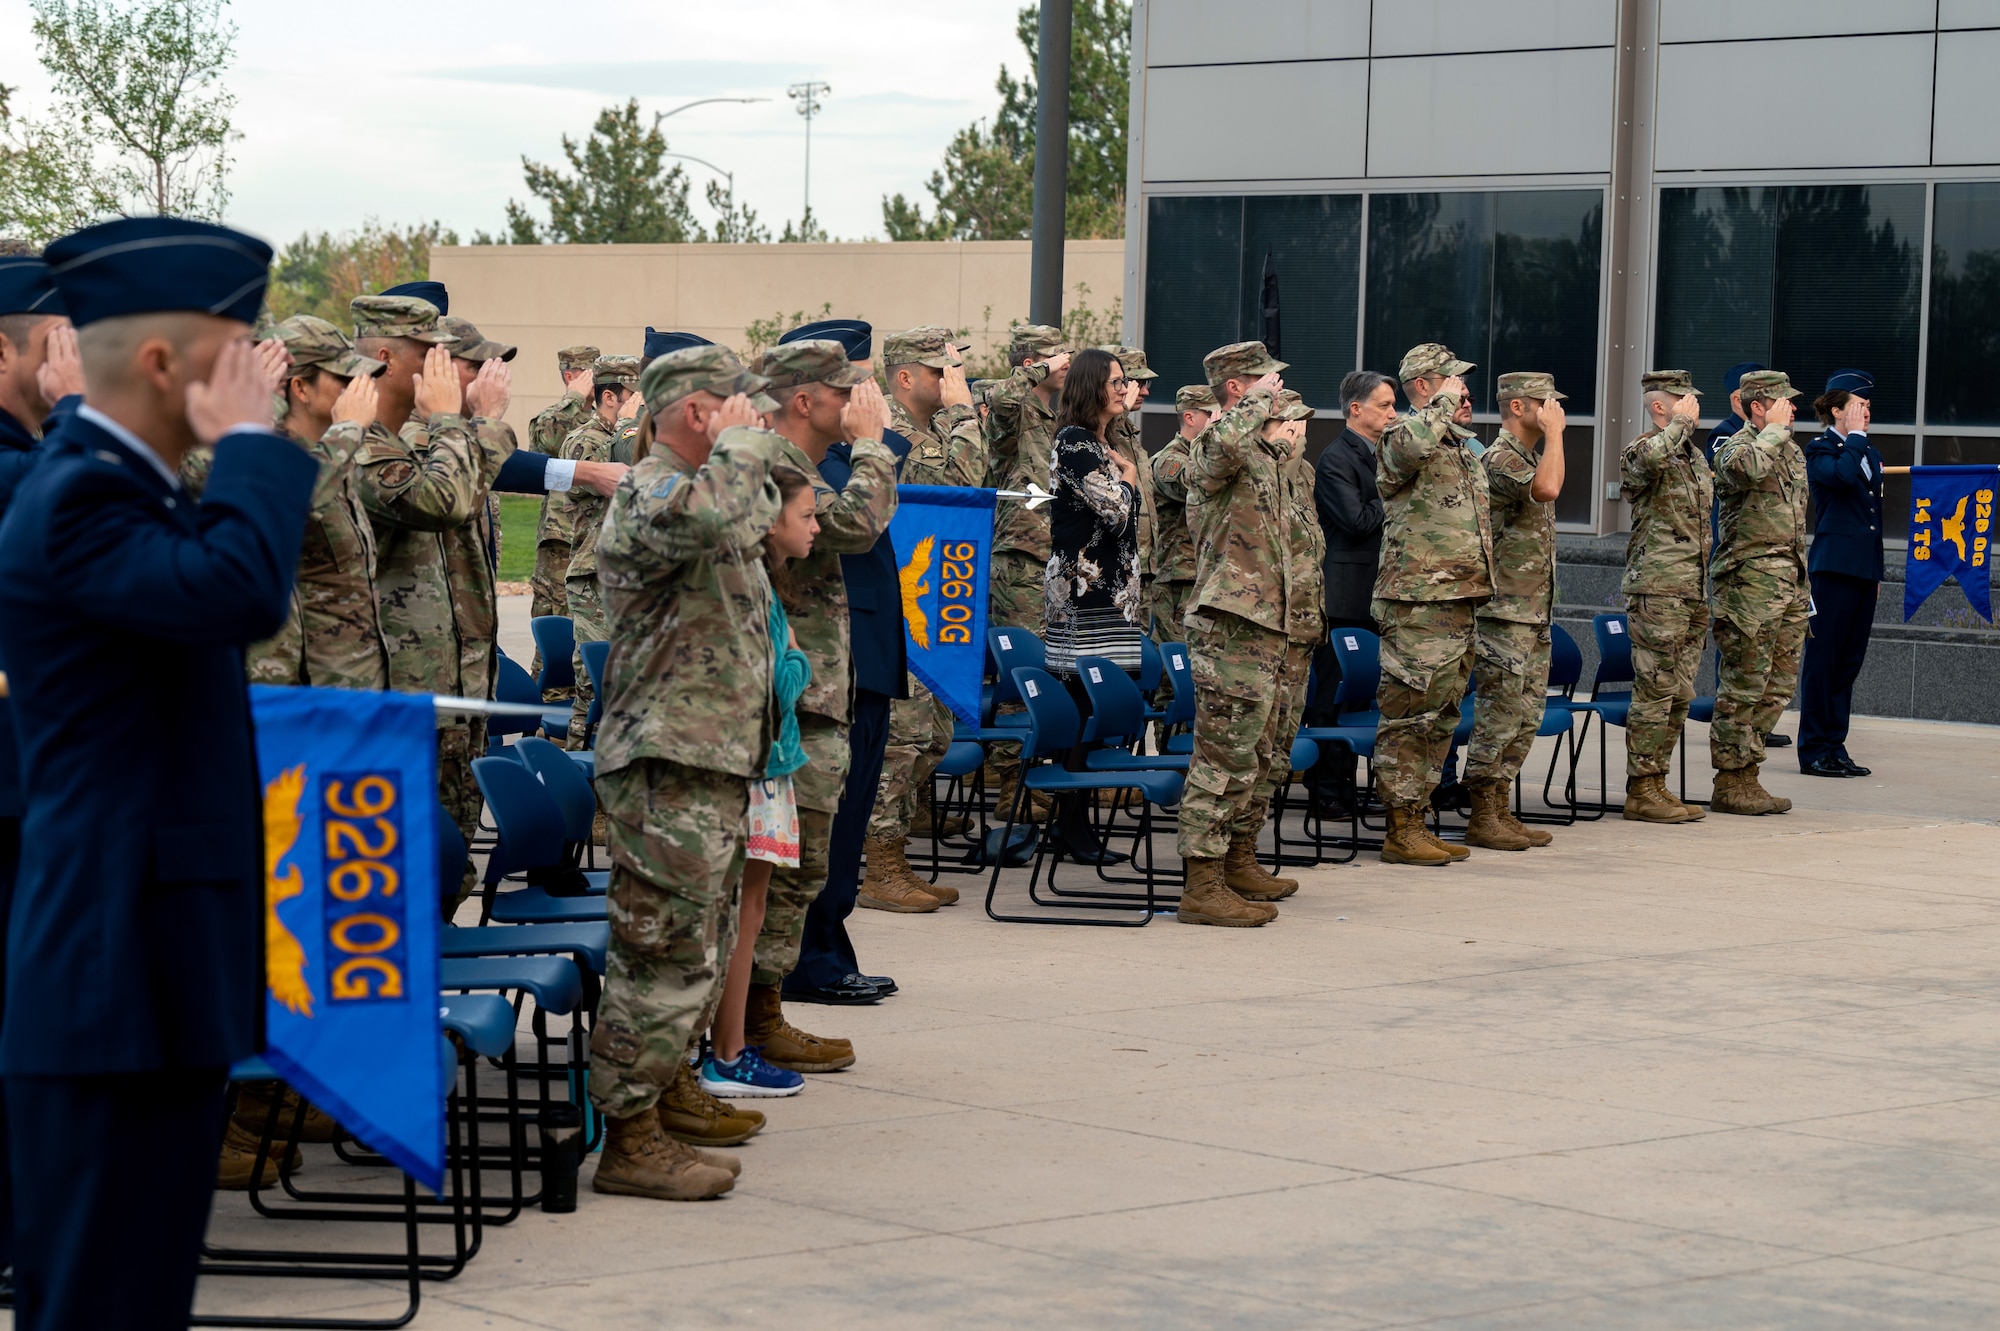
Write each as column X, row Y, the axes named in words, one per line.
column 253, row 1107
column 927, row 823
column 690, row 1114
column 1536, row 836
column 1487, row 830
column 1040, row 806
column 1207, row 900
column 1424, row 830
column 1407, row 841
column 640, row 1160
column 1250, row 880
column 889, row 884
column 1647, row 801
column 1737, row 791
column 785, row 1045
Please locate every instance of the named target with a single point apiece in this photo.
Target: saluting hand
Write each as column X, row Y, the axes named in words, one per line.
column 1854, row 417
column 866, row 414
column 438, row 389
column 357, row 402
column 736, row 411
column 578, row 382
column 275, row 358
column 1455, row 385
column 1058, row 362
column 61, row 372
column 1780, row 412
column 954, row 391
column 1688, row 405
column 1273, row 382
column 491, row 390
column 1552, row 416
column 235, row 394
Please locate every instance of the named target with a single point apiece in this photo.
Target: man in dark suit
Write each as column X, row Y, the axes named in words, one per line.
column 135, row 951
column 1845, row 473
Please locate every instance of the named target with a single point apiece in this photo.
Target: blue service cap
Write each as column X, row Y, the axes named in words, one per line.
column 857, row 335
column 433, row 292
column 1732, row 378
column 27, row 288
column 147, row 265
column 1858, row 382
column 659, row 344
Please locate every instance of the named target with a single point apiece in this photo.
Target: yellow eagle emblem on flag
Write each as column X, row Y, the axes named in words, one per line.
column 914, row 586
column 284, row 958
column 1953, row 527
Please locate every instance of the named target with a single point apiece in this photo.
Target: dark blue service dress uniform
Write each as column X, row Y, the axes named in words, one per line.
column 135, row 950
column 1846, row 571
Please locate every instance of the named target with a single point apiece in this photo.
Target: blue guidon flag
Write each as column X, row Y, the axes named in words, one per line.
column 944, row 536
column 1951, row 530
column 351, row 912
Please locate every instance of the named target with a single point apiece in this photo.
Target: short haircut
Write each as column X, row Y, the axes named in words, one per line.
column 106, row 346
column 1359, row 387
column 1018, row 357
column 16, row 327
column 1659, row 395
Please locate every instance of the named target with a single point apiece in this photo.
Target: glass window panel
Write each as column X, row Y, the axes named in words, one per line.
column 1193, row 271
column 1430, row 279
column 1713, row 295
column 1579, row 472
column 1547, row 250
column 1314, row 242
column 1846, row 288
column 1965, row 308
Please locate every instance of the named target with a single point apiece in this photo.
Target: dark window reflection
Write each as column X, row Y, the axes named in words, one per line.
column 1314, row 243
column 1965, row 310
column 1547, row 247
column 1430, row 279
column 1193, row 273
column 1714, row 294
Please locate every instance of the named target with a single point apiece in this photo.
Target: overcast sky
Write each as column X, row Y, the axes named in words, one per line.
column 423, row 110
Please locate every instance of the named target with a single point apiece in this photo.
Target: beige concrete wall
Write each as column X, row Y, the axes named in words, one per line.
column 544, row 297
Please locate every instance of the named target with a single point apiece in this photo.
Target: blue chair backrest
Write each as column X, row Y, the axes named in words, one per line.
column 566, row 784
column 1360, row 655
column 595, row 656
column 1011, row 649
column 1614, row 651
column 1052, row 716
column 451, row 852
column 529, row 822
column 1117, row 708
column 555, row 639
column 513, row 684
column 1180, row 677
column 1149, row 666
column 1565, row 660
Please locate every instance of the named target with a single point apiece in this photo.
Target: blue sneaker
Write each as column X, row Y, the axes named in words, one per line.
column 747, row 1077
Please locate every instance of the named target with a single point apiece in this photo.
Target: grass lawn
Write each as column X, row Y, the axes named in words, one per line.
column 518, row 516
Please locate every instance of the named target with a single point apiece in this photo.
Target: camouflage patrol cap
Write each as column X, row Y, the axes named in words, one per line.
column 929, row 345
column 1528, row 384
column 397, row 316
column 812, row 360
column 572, row 359
column 1034, row 340
column 709, row 369
column 1428, row 359
column 1134, row 361
column 472, row 344
column 1238, row 360
column 1291, row 407
column 622, row 371
column 1195, row 397
column 1765, row 386
column 1674, row 383
column 316, row 344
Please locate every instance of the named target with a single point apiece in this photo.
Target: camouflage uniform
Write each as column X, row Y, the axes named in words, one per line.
column 1437, row 565
column 689, row 716
column 1665, row 477
column 815, row 599
column 951, row 451
column 1020, row 434
column 1760, row 584
column 1173, row 546
column 593, row 441
column 1240, row 505
column 553, row 534
column 1512, row 630
column 1126, row 438
column 1305, row 612
column 472, row 553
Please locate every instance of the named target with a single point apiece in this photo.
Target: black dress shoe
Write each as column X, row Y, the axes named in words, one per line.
column 882, row 982
column 1853, row 768
column 1776, row 741
column 1082, row 851
column 1825, row 767
column 850, row 992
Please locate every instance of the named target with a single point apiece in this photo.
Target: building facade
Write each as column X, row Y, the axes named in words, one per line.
column 1587, row 187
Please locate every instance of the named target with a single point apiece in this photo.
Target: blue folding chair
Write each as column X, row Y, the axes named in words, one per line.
column 596, row 657
column 555, row 639
column 1053, row 730
column 515, row 685
column 571, row 790
column 1009, row 649
column 530, row 839
column 1565, row 674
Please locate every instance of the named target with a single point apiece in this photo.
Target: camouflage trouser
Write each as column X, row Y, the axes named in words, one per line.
column 1015, row 600
column 1513, row 692
column 1760, row 629
column 586, row 616
column 1169, row 604
column 676, row 877
column 817, row 787
column 1427, row 653
column 460, row 740
column 919, row 733
column 1237, row 716
column 1288, row 708
column 1667, row 634
column 550, row 598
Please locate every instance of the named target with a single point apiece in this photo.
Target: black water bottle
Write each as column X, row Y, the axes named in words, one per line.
column 561, row 1125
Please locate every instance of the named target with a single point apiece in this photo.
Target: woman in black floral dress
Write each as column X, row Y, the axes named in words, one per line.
column 1093, row 596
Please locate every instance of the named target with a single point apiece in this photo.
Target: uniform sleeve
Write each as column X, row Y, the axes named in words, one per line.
column 729, row 500
column 1170, row 472
column 1222, row 450
column 964, row 445
column 851, row 521
column 1749, row 458
column 1408, row 443
column 1645, row 456
column 554, row 422
column 425, row 479
column 1003, row 412
column 1837, row 464
column 1509, row 476
column 1338, row 500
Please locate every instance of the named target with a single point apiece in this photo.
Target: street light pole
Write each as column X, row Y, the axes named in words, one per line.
column 729, row 177
column 658, row 116
column 1045, row 263
column 807, row 95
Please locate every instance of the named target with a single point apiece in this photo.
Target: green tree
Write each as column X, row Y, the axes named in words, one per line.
column 140, row 87
column 738, row 224
column 46, row 188
column 985, row 189
column 617, row 190
column 319, row 274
